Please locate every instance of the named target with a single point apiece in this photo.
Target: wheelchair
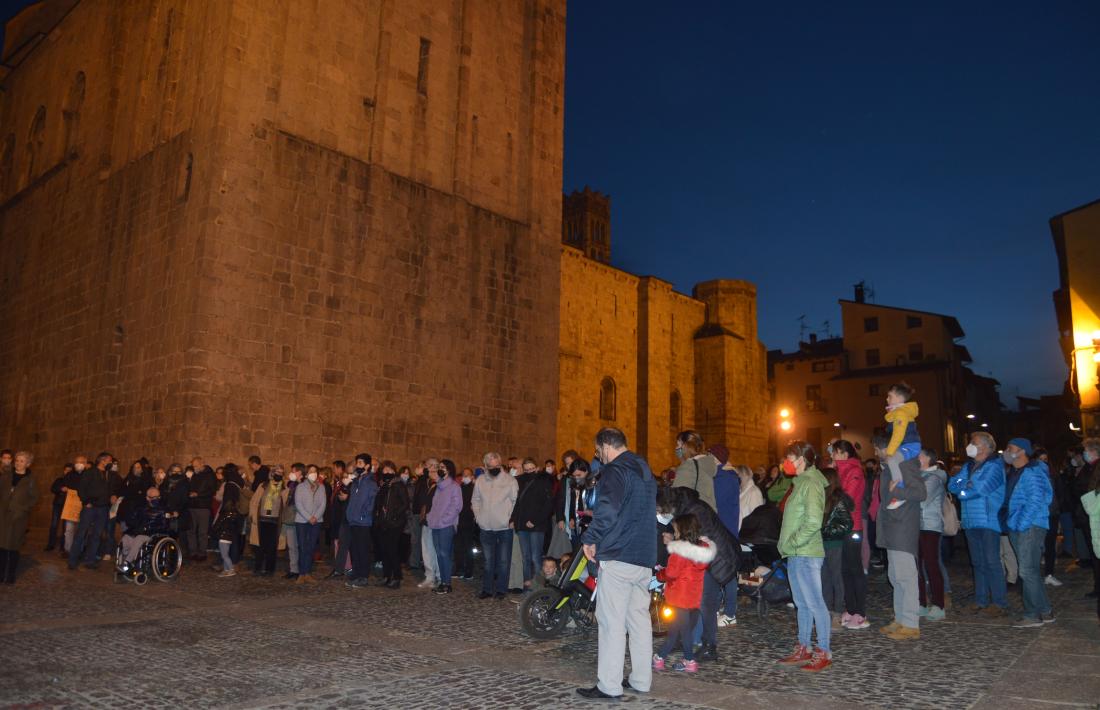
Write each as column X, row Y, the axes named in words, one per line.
column 160, row 558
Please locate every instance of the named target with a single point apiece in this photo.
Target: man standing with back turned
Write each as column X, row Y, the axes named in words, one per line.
column 623, row 539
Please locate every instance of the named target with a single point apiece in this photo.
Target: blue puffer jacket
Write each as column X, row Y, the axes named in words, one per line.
column 982, row 493
column 360, row 511
column 623, row 527
column 1029, row 506
column 727, row 492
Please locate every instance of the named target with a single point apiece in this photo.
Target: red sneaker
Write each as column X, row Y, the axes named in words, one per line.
column 819, row 661
column 800, row 656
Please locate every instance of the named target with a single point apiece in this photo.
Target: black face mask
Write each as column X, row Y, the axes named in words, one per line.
column 359, row 470
column 277, row 477
column 494, row 471
column 387, row 477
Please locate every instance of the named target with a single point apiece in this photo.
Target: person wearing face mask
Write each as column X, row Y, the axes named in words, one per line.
column 95, row 497
column 70, row 513
column 531, row 517
column 492, row 502
column 980, row 488
column 393, row 512
column 145, row 517
column 1068, row 503
column 60, row 488
column 1088, row 479
column 1090, row 503
column 443, row 521
column 265, row 510
column 801, row 542
column 1026, row 516
column 310, row 501
column 339, row 527
column 467, row 529
column 1080, row 485
column 359, row 519
column 290, row 515
column 697, row 466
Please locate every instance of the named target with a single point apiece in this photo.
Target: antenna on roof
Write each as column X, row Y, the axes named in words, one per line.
column 802, row 327
column 827, row 329
column 871, row 293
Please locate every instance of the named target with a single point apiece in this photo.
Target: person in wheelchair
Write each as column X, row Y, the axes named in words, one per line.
column 144, row 519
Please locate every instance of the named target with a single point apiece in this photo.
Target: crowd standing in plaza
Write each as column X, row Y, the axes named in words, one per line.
column 827, row 517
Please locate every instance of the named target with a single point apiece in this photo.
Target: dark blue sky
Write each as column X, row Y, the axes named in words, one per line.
column 806, row 146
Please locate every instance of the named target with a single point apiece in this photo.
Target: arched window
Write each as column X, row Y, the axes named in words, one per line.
column 607, row 399
column 675, row 409
column 71, row 113
column 35, row 138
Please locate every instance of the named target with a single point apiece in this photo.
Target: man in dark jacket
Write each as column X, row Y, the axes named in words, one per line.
column 59, row 488
column 623, row 539
column 531, row 515
column 95, row 498
column 359, row 518
column 203, row 486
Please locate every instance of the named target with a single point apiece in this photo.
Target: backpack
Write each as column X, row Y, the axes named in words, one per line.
column 950, row 518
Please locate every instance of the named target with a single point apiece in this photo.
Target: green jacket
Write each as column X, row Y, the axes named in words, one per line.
column 1091, row 503
column 801, row 532
column 778, row 489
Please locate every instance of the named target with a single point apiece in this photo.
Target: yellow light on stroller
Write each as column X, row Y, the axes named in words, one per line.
column 666, row 612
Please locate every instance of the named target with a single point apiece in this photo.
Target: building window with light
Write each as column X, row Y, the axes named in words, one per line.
column 607, row 399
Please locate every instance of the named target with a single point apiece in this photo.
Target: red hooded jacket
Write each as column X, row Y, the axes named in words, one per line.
column 683, row 577
column 853, row 482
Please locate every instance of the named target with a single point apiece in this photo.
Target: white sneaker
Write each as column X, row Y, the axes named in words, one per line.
column 1051, row 581
column 106, row 558
column 227, row 573
column 895, row 504
column 427, row 583
column 724, row 620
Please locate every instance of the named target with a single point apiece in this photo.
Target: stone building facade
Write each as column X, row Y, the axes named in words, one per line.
column 638, row 355
column 278, row 227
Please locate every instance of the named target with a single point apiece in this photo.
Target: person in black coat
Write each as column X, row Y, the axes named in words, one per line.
column 467, row 529
column 685, row 501
column 531, row 516
column 393, row 515
column 59, row 487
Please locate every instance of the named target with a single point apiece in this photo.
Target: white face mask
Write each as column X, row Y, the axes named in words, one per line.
column 190, row 473
column 467, row 479
column 1091, row 456
column 405, row 477
column 347, row 480
column 513, row 472
column 79, row 467
column 972, row 451
column 549, row 469
column 664, row 519
column 312, row 477
column 293, row 477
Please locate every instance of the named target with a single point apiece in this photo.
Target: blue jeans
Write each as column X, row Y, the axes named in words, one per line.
column 444, row 539
column 308, row 534
column 1028, row 546
column 497, row 547
column 530, row 546
column 680, row 632
column 989, row 576
column 805, row 576
column 92, row 522
column 708, row 609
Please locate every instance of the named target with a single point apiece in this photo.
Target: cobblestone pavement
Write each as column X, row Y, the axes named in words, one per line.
column 80, row 640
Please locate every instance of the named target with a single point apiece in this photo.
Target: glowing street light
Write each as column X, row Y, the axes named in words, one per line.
column 786, row 425
column 984, row 425
column 784, row 413
column 971, row 416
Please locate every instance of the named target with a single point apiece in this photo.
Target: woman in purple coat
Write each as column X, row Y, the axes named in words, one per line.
column 443, row 521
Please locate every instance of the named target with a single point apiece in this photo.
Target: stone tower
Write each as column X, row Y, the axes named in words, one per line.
column 731, row 397
column 285, row 228
column 586, row 223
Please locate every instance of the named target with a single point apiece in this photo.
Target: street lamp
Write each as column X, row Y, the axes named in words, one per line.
column 984, row 425
column 971, row 416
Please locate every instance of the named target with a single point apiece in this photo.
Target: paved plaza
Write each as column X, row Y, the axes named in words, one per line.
column 80, row 640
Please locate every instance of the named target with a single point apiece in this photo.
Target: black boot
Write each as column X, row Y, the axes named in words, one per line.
column 709, row 652
column 9, row 568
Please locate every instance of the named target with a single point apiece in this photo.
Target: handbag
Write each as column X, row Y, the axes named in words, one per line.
column 950, row 518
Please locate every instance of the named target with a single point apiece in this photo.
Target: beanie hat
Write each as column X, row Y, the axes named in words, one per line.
column 1021, row 443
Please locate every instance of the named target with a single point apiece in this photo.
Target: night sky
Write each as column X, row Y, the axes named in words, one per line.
column 806, row 146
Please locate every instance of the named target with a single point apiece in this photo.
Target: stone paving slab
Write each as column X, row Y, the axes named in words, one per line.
column 78, row 640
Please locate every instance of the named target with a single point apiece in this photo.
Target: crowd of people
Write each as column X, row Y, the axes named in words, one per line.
column 830, row 517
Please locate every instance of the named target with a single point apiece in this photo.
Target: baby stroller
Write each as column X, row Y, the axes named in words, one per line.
column 768, row 585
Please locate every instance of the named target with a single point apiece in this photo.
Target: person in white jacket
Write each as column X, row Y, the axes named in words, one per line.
column 492, row 501
column 751, row 497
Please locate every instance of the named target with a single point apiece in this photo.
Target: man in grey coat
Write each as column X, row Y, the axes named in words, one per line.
column 898, row 531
